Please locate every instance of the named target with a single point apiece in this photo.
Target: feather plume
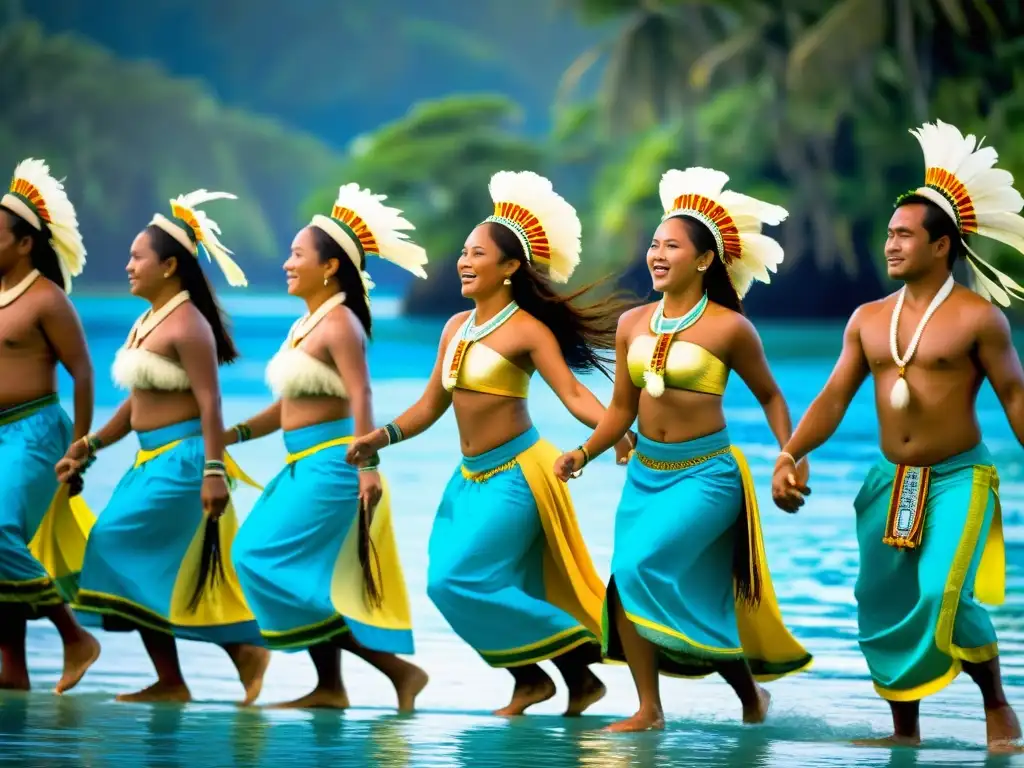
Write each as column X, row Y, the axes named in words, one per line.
column 735, row 220
column 381, row 229
column 49, row 203
column 961, row 178
column 546, row 221
column 206, row 231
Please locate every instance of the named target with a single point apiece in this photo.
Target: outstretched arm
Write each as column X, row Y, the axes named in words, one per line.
column 63, row 330
column 546, row 356
column 748, row 360
column 264, row 423
column 1001, row 364
column 617, row 418
column 826, row 412
column 823, row 416
column 431, row 406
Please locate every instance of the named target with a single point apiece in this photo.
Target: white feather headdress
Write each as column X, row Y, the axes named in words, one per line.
column 961, row 178
column 39, row 198
column 363, row 226
column 198, row 232
column 735, row 220
column 547, row 226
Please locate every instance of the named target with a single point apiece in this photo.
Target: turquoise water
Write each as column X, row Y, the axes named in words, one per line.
column 813, row 557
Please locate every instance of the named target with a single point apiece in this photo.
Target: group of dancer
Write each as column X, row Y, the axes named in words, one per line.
column 315, row 564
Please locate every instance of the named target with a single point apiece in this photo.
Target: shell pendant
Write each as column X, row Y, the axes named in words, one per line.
column 899, row 397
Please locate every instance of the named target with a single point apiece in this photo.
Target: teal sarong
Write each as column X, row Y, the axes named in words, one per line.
column 142, row 560
column 42, row 532
column 508, row 567
column 918, row 612
column 297, row 555
column 685, row 509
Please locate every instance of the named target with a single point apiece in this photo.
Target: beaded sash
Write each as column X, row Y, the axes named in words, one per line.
column 904, row 526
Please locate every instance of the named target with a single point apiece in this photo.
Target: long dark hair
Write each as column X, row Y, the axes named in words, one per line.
column 348, row 276
column 44, row 258
column 200, row 291
column 717, row 282
column 584, row 333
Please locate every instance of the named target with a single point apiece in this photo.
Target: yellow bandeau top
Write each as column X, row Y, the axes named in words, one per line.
column 689, row 366
column 484, row 370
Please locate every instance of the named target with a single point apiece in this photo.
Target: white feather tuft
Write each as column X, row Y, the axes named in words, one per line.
column 208, row 233
column 654, row 383
column 557, row 217
column 758, row 254
column 996, row 203
column 386, row 225
column 63, row 221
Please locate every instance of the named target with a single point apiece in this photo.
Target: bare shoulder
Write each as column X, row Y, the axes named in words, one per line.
column 982, row 316
column 871, row 311
column 731, row 324
column 342, row 324
column 454, row 323
column 529, row 326
column 50, row 299
column 191, row 323
column 637, row 316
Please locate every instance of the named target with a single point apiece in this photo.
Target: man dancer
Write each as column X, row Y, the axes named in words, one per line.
column 929, row 528
column 42, row 531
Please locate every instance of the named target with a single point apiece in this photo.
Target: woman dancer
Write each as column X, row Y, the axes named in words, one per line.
column 316, row 557
column 158, row 557
column 508, row 567
column 690, row 592
column 42, row 532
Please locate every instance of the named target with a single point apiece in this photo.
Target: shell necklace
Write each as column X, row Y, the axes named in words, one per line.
column 470, row 333
column 305, row 326
column 665, row 330
column 899, row 397
column 11, row 295
column 146, row 324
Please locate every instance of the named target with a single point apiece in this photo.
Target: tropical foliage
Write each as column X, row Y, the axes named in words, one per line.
column 805, row 102
column 128, row 138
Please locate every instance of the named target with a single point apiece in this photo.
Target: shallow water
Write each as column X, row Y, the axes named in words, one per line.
column 813, row 557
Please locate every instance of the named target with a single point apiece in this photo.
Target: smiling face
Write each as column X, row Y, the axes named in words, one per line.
column 304, row 269
column 145, row 270
column 909, row 251
column 673, row 258
column 483, row 267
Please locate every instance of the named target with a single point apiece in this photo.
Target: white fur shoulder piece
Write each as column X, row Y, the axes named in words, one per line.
column 293, row 373
column 141, row 369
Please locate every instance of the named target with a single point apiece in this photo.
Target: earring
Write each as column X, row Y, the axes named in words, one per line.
column 166, row 275
column 326, row 280
column 701, row 269
column 507, row 282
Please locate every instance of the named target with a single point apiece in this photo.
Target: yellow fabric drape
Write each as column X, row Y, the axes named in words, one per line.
column 763, row 634
column 570, row 579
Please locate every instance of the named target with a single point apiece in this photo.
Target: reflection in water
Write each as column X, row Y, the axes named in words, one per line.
column 814, row 565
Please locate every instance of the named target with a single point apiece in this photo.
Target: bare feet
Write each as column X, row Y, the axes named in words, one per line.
column 643, row 720
column 408, row 685
column 759, row 712
column 16, row 680
column 159, row 692
column 526, row 696
column 890, row 741
column 251, row 662
column 78, row 657
column 1002, row 730
column 586, row 695
column 320, row 698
